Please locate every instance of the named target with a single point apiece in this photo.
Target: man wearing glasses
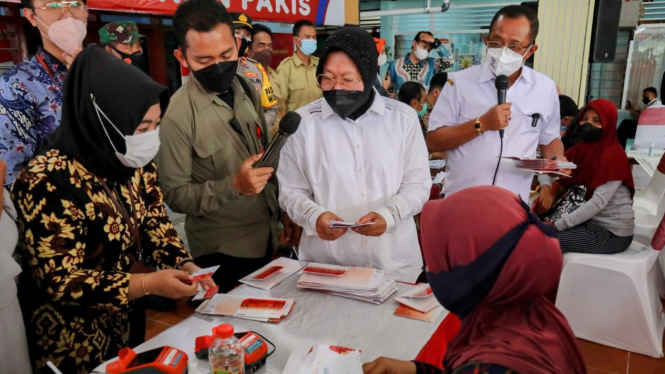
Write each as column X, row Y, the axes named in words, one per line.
column 30, row 92
column 356, row 157
column 417, row 66
column 466, row 119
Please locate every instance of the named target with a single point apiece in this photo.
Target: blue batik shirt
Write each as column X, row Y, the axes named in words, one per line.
column 30, row 107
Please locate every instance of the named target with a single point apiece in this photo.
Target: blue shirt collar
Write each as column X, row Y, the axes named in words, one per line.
column 407, row 60
column 53, row 63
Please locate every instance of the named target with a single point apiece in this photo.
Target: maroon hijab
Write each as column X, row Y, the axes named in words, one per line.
column 514, row 325
column 601, row 161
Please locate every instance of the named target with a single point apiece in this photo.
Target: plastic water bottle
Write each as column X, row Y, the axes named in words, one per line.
column 651, row 149
column 226, row 355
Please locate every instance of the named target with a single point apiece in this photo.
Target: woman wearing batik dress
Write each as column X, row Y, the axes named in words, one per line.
column 91, row 216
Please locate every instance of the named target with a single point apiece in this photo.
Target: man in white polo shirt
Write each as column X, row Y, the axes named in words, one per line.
column 466, row 119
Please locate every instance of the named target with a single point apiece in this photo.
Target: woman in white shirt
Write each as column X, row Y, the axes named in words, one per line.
column 356, row 157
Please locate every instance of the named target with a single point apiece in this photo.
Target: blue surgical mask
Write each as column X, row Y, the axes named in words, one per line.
column 308, row 46
column 423, row 110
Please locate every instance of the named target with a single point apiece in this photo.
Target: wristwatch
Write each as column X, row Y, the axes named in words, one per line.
column 478, row 126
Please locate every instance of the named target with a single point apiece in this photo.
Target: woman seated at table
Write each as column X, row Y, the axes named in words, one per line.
column 604, row 224
column 89, row 210
column 494, row 280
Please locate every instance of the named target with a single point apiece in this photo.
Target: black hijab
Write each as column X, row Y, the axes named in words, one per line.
column 123, row 92
column 359, row 45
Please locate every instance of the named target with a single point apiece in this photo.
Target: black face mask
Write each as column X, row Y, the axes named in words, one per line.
column 588, row 133
column 645, row 100
column 344, row 103
column 136, row 59
column 217, row 78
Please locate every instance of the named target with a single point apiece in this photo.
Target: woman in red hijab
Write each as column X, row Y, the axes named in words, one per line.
column 604, row 223
column 491, row 266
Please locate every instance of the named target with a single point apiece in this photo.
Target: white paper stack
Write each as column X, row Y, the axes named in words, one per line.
column 419, row 303
column 420, row 298
column 252, row 308
column 364, row 284
column 325, row 359
column 437, row 164
column 273, row 274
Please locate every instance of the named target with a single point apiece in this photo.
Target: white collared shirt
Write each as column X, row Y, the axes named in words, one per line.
column 655, row 103
column 377, row 163
column 467, row 96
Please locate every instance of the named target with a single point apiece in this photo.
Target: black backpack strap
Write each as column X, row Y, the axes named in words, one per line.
column 245, row 87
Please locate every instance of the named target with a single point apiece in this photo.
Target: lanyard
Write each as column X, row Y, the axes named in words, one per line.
column 41, row 61
column 121, row 208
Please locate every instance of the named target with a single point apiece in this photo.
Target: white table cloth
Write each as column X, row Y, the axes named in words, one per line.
column 317, row 318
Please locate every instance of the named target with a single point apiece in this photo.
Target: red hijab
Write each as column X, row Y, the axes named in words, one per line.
column 601, row 161
column 514, row 325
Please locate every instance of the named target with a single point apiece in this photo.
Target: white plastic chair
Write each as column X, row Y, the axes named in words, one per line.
column 614, row 300
column 649, row 207
column 650, row 129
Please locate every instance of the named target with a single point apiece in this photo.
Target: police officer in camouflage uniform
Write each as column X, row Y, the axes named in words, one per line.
column 252, row 69
column 122, row 39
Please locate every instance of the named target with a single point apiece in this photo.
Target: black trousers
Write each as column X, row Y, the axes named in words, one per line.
column 231, row 268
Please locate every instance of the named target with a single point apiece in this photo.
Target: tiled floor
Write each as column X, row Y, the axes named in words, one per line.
column 599, row 359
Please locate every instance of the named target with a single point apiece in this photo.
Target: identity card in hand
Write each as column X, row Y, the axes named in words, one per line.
column 348, row 225
column 206, row 294
column 203, row 274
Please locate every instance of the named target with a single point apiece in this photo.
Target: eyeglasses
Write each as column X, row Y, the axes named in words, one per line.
column 347, row 84
column 56, row 9
column 513, row 47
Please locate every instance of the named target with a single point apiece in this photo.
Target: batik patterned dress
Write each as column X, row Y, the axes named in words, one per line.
column 30, row 107
column 78, row 249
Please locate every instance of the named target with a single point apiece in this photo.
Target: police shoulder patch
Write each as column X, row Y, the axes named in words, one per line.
column 251, row 74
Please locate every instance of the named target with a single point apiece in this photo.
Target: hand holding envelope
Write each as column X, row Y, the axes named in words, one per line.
column 325, row 231
column 378, row 228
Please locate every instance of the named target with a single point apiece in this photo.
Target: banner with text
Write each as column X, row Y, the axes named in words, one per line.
column 320, row 12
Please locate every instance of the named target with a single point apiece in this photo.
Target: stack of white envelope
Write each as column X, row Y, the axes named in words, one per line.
column 364, row 284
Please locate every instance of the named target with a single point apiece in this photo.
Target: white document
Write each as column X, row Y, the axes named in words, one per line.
column 273, row 274
column 348, row 225
column 325, row 359
column 437, row 164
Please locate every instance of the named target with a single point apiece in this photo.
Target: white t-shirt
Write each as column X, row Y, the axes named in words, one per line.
column 377, row 163
column 467, row 96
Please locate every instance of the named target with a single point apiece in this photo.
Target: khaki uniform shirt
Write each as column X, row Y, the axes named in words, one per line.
column 199, row 155
column 296, row 83
column 252, row 70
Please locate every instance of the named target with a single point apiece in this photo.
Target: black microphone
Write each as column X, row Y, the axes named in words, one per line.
column 501, row 84
column 287, row 127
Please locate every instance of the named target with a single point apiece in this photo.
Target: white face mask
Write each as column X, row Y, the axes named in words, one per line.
column 68, row 34
column 141, row 149
column 503, row 61
column 421, row 54
column 382, row 59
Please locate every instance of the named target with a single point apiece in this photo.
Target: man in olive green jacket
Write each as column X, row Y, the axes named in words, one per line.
column 212, row 134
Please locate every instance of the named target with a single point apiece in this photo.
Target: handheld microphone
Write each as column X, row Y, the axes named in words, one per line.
column 501, row 84
column 287, row 127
